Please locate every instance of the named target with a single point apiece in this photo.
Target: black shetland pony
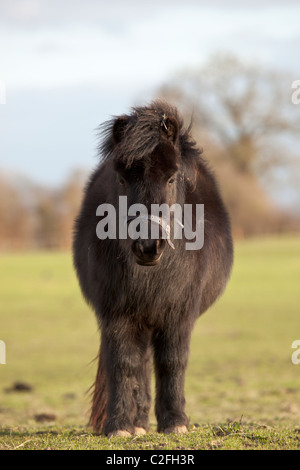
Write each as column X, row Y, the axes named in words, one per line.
column 147, row 295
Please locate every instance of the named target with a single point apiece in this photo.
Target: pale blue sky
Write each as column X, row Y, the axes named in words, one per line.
column 70, row 64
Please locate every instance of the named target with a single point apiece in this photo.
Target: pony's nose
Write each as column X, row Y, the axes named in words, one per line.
column 148, row 252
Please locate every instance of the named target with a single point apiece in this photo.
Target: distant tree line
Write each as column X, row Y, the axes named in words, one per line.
column 35, row 217
column 244, row 119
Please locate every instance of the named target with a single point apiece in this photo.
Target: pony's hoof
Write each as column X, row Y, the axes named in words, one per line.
column 139, row 431
column 119, row 433
column 176, row 430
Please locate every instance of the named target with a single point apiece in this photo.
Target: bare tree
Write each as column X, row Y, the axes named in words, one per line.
column 16, row 221
column 69, row 198
column 56, row 211
column 244, row 118
column 244, row 109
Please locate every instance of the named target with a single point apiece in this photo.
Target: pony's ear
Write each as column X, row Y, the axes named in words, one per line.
column 119, row 127
column 169, row 128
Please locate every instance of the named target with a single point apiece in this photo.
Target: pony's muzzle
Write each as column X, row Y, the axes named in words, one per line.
column 148, row 252
column 164, row 228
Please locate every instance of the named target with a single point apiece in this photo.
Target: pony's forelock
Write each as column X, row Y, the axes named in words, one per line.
column 146, row 127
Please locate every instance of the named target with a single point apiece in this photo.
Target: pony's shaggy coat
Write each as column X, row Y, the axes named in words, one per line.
column 147, row 313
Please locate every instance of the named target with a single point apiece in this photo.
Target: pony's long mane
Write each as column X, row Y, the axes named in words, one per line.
column 142, row 132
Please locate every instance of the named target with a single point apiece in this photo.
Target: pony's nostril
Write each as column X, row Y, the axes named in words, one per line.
column 149, row 247
column 138, row 248
column 160, row 245
column 148, row 252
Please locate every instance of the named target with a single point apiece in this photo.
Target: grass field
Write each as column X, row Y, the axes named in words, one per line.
column 242, row 389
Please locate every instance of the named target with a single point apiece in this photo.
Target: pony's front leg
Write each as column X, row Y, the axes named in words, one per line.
column 171, row 350
column 142, row 395
column 127, row 402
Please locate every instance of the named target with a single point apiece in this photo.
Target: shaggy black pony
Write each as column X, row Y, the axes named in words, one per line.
column 147, row 293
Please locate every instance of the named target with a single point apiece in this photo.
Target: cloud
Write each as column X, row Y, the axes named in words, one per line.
column 115, row 45
column 69, row 64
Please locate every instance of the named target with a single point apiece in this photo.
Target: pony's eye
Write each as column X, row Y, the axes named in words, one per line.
column 121, row 181
column 171, row 180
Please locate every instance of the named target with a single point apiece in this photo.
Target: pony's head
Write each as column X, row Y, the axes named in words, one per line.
column 147, row 151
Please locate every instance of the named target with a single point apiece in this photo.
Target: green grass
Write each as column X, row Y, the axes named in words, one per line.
column 242, row 389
